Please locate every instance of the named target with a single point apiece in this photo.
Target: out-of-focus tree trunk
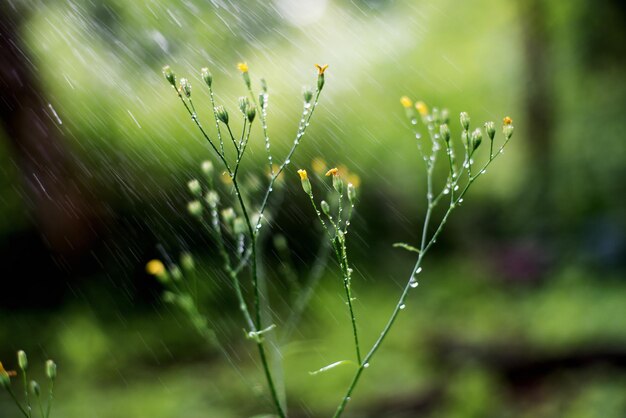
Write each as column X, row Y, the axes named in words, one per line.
column 52, row 189
column 540, row 111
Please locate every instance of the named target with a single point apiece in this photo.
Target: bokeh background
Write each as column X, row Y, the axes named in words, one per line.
column 521, row 308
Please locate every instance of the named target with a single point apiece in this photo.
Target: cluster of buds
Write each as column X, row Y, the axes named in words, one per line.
column 247, row 109
column 31, row 387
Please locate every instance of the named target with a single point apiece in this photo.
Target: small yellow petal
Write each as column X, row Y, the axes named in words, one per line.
column 243, row 67
column 155, row 267
column 507, row 121
column 406, row 102
column 303, row 174
column 332, row 172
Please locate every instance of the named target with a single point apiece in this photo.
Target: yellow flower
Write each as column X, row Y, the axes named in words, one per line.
column 321, row 68
column 303, row 175
column 319, row 165
column 421, row 108
column 155, row 267
column 11, row 373
column 332, row 172
column 507, row 121
column 354, row 179
column 243, row 67
column 406, row 102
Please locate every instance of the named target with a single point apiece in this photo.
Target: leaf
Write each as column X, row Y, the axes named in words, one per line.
column 406, row 247
column 332, row 366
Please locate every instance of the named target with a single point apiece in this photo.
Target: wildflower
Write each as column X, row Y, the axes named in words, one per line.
column 34, row 388
column 354, row 179
column 332, row 172
column 490, row 128
column 507, row 121
column 306, row 184
column 207, row 168
column 195, row 208
column 243, row 67
column 507, row 128
column 185, row 87
column 51, row 370
column 320, row 75
column 195, row 188
column 307, row 94
column 325, row 207
column 169, row 75
column 465, row 120
column 444, row 131
column 406, row 102
column 477, row 138
column 351, row 193
column 337, row 181
column 251, row 112
column 207, row 76
column 222, row 114
column 186, row 260
column 5, row 377
column 321, row 68
column 421, row 108
column 22, row 360
column 155, row 268
column 319, row 165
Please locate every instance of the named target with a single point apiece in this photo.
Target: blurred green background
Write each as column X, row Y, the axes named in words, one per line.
column 521, row 307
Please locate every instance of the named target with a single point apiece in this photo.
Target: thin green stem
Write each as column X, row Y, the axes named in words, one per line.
column 29, row 408
column 22, row 410
column 50, row 398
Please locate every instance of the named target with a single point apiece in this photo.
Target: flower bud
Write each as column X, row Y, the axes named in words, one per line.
column 477, row 138
column 444, row 131
column 244, row 102
column 251, row 112
column 325, row 207
column 229, row 216
column 157, row 269
column 304, row 179
column 239, row 226
column 169, row 297
column 262, row 100
column 222, row 114
column 207, row 168
column 212, row 198
column 51, row 370
column 465, row 120
column 22, row 360
column 5, row 380
column 507, row 128
column 176, row 274
column 185, row 87
column 186, row 260
column 307, row 94
column 320, row 75
column 351, row 193
column 445, row 116
column 264, row 85
column 169, row 75
column 207, row 76
column 490, row 128
column 195, row 188
column 338, row 183
column 195, row 208
column 34, row 388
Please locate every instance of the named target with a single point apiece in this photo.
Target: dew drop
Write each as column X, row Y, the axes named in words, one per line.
column 402, row 306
